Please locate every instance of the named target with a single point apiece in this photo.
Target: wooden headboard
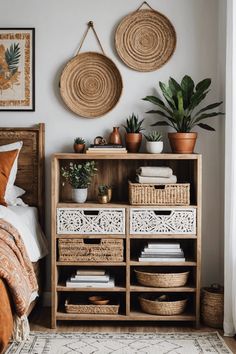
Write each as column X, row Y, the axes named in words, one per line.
column 30, row 175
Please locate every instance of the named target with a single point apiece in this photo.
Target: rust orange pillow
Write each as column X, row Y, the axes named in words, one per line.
column 7, row 159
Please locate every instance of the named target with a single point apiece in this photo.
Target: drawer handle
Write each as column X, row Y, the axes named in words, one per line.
column 162, row 212
column 92, row 241
column 91, row 212
column 161, row 186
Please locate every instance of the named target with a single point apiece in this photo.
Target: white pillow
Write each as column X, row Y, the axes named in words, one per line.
column 12, row 197
column 11, row 180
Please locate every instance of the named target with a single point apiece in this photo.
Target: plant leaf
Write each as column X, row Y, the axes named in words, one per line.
column 167, row 94
column 12, row 56
column 205, row 126
column 197, row 97
column 208, row 115
column 161, row 123
column 187, row 86
column 161, row 113
column 158, row 102
column 210, row 106
column 203, row 85
column 175, row 88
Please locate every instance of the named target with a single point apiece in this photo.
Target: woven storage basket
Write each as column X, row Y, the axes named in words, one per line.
column 145, row 40
column 91, row 309
column 75, row 250
column 160, row 194
column 212, row 306
column 165, row 308
column 162, row 280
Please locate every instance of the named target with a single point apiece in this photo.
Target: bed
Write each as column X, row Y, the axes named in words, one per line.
column 30, row 177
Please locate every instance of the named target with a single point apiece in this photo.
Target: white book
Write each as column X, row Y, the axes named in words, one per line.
column 90, row 272
column 109, row 284
column 162, row 255
column 163, row 245
column 182, row 259
column 90, row 278
column 162, row 250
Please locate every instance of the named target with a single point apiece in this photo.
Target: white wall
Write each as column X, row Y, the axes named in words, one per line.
column 60, row 25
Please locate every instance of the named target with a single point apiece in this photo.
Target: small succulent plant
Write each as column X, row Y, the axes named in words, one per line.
column 154, row 136
column 133, row 124
column 79, row 140
column 102, row 189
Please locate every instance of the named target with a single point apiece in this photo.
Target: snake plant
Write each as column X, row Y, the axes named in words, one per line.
column 133, row 124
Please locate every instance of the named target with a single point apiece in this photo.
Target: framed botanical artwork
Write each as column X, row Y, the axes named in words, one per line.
column 17, row 69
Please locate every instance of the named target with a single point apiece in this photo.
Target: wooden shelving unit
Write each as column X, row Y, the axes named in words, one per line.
column 116, row 170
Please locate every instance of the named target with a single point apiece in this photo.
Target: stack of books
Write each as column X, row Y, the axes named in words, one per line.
column 162, row 252
column 108, row 148
column 90, row 279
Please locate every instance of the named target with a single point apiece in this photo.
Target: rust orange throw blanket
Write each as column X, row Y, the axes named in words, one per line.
column 16, row 269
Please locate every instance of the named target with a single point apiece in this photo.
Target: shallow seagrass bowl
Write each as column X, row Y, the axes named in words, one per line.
column 174, row 306
column 162, row 280
column 91, row 84
column 145, row 40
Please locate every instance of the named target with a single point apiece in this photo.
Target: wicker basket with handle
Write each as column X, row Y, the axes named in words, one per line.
column 164, row 305
column 76, row 250
column 212, row 306
column 159, row 194
column 162, row 280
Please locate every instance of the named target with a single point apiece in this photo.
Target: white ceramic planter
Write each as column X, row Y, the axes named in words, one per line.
column 79, row 195
column 154, row 147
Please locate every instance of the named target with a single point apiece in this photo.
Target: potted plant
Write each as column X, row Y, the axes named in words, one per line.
column 102, row 194
column 79, row 145
column 179, row 111
column 154, row 143
column 79, row 176
column 133, row 137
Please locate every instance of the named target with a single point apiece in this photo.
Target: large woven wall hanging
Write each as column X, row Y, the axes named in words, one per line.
column 91, row 84
column 145, row 40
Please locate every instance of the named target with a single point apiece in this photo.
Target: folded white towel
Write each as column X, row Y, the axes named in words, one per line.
column 157, row 180
column 154, row 171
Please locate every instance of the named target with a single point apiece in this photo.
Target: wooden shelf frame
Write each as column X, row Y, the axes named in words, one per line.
column 129, row 289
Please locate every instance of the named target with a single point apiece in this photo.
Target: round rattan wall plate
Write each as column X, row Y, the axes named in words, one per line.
column 91, row 84
column 145, row 40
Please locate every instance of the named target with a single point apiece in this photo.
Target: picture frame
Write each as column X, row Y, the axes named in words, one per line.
column 17, row 69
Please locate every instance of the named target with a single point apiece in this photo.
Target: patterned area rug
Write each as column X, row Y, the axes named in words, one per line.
column 125, row 343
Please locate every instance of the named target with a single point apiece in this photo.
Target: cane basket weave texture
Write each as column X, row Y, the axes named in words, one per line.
column 91, row 84
column 91, row 309
column 162, row 280
column 212, row 307
column 76, row 250
column 165, row 308
column 165, row 194
column 145, row 40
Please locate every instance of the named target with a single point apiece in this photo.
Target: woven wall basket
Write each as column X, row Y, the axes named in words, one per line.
column 145, row 40
column 91, row 84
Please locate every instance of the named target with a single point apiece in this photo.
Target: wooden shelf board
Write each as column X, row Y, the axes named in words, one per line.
column 91, row 236
column 95, row 204
column 133, row 316
column 92, row 264
column 139, row 288
column 164, row 236
column 175, row 264
column 63, row 288
column 127, row 156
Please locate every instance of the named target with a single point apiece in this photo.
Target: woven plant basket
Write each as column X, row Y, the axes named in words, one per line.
column 91, row 309
column 212, row 306
column 75, row 250
column 91, row 84
column 165, row 308
column 145, row 40
column 162, row 280
column 161, row 194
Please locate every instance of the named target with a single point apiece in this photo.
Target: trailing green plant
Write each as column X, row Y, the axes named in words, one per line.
column 181, row 101
column 79, row 175
column 133, row 124
column 102, row 189
column 79, row 141
column 154, row 136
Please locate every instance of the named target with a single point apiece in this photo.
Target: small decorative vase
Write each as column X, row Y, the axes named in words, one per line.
column 109, row 194
column 115, row 137
column 103, row 199
column 182, row 143
column 133, row 142
column 154, row 147
column 78, row 148
column 79, row 195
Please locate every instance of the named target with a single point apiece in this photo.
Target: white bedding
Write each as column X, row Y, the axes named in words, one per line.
column 25, row 220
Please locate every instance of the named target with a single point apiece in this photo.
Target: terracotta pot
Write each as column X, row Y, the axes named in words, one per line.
column 78, row 148
column 133, row 142
column 182, row 143
column 115, row 137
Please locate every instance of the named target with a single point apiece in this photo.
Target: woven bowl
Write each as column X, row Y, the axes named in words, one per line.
column 162, row 280
column 175, row 306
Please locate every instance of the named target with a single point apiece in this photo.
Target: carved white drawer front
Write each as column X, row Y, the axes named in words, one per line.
column 91, row 221
column 162, row 221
